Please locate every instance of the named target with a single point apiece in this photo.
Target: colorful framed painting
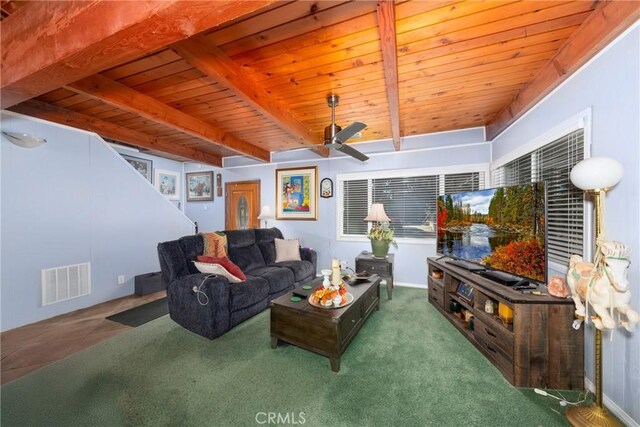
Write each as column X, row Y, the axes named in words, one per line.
column 143, row 166
column 199, row 186
column 296, row 193
column 168, row 183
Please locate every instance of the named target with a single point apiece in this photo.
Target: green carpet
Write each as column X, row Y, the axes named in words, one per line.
column 142, row 314
column 407, row 367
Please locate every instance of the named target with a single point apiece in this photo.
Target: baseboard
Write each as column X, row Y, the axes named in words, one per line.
column 612, row 406
column 410, row 285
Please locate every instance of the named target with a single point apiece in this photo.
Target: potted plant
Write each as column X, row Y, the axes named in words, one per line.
column 381, row 237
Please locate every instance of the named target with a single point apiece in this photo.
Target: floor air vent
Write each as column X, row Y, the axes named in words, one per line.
column 64, row 283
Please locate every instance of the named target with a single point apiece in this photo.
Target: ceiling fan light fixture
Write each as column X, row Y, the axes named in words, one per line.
column 335, row 137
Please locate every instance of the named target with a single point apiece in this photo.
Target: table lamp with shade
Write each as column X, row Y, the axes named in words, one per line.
column 265, row 215
column 380, row 234
column 595, row 176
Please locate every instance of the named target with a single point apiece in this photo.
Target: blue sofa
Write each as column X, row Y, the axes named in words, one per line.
column 254, row 252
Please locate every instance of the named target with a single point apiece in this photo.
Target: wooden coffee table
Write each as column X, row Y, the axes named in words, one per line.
column 324, row 331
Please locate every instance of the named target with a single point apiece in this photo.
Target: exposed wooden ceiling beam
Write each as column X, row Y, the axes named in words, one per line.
column 387, row 29
column 46, row 47
column 63, row 116
column 213, row 62
column 606, row 22
column 125, row 98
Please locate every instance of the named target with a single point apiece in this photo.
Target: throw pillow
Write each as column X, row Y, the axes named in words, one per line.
column 226, row 263
column 207, row 268
column 215, row 244
column 287, row 249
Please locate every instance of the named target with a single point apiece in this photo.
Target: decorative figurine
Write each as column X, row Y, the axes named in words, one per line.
column 326, row 282
column 603, row 285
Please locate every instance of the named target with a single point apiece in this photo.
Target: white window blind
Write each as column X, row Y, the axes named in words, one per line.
column 409, row 201
column 552, row 164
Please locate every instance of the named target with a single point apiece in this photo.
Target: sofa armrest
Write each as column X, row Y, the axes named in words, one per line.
column 308, row 254
column 210, row 320
column 173, row 262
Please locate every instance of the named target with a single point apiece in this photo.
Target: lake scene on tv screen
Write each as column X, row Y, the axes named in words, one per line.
column 501, row 228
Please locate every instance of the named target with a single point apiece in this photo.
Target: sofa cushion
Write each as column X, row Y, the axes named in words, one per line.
column 247, row 257
column 278, row 278
column 248, row 293
column 192, row 246
column 287, row 250
column 264, row 239
column 240, row 238
column 224, row 262
column 214, row 244
column 212, row 268
column 301, row 269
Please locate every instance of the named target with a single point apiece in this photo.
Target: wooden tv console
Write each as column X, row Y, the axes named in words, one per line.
column 539, row 348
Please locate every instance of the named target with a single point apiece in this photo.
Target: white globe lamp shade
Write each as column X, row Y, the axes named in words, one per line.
column 596, row 173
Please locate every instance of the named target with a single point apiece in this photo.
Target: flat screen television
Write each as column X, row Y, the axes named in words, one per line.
column 501, row 229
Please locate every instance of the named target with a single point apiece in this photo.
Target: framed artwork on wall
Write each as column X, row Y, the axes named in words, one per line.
column 219, row 184
column 143, row 166
column 168, row 183
column 199, row 186
column 296, row 193
column 326, row 188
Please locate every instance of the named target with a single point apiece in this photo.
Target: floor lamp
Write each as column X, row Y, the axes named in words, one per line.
column 595, row 176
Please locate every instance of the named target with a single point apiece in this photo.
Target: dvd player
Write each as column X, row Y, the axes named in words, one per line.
column 466, row 265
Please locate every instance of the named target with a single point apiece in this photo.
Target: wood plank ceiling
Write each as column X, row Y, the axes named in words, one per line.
column 256, row 83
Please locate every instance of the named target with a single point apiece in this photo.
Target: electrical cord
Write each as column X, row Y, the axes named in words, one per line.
column 198, row 290
column 561, row 400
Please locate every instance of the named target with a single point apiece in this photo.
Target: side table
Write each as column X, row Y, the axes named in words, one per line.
column 383, row 267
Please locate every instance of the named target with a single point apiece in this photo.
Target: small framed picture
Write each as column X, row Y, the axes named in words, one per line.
column 326, row 188
column 199, row 186
column 219, row 184
column 168, row 183
column 143, row 166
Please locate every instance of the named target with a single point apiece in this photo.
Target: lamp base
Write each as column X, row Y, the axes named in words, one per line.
column 592, row 415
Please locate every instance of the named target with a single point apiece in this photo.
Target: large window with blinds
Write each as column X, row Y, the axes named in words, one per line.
column 409, row 199
column 552, row 164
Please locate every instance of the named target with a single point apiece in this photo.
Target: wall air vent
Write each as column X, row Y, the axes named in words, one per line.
column 64, row 283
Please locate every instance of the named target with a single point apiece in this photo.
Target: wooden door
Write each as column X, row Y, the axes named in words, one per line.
column 242, row 205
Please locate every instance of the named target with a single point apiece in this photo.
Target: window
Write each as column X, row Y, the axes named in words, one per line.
column 409, row 199
column 552, row 163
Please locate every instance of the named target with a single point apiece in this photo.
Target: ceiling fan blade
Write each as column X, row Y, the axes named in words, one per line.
column 349, row 131
column 352, row 152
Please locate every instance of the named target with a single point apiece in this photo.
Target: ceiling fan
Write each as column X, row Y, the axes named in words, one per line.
column 335, row 136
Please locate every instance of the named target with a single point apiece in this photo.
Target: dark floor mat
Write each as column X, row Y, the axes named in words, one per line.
column 142, row 314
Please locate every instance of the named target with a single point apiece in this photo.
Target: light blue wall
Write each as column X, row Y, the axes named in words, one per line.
column 160, row 163
column 208, row 215
column 70, row 201
column 610, row 86
column 410, row 264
